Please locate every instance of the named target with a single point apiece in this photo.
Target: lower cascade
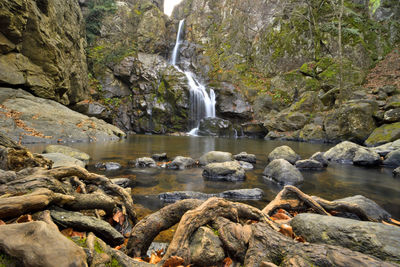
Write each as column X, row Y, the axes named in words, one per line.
column 202, row 103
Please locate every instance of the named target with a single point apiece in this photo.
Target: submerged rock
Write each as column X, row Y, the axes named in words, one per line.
column 224, row 171
column 206, row 248
column 181, row 163
column 243, row 156
column 377, row 239
column 284, row 152
column 215, row 156
column 62, row 160
column 309, row 164
column 40, row 244
column 282, row 172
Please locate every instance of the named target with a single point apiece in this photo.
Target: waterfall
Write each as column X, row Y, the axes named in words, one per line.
column 202, row 104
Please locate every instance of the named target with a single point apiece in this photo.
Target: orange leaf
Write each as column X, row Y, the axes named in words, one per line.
column 119, row 217
column 173, row 261
column 2, row 222
column 138, row 259
column 67, row 232
column 81, row 235
column 300, row 239
column 24, row 218
column 280, row 216
column 227, row 262
column 281, row 211
column 78, row 189
column 158, row 252
column 154, row 259
column 286, row 230
column 394, row 221
column 388, row 223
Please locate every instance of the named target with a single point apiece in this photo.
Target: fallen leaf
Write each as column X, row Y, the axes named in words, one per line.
column 2, row 222
column 119, row 217
column 24, row 218
column 394, row 221
column 81, row 235
column 280, row 216
column 78, row 189
column 154, row 258
column 173, row 261
column 138, row 259
column 67, row 232
column 388, row 223
column 300, row 239
column 159, row 252
column 227, row 262
column 286, row 230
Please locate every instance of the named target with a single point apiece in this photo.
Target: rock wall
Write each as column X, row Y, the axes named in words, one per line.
column 42, row 48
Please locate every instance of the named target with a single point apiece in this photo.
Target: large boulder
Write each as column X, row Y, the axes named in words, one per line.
column 181, row 163
column 282, row 172
column 45, row 49
column 215, row 156
column 377, row 239
column 384, row 134
column 206, row 248
column 216, row 127
column 224, row 171
column 39, row 244
column 231, row 103
column 385, row 149
column 69, row 151
column 62, row 160
column 284, row 152
column 342, row 153
column 373, row 210
column 35, row 120
column 365, row 157
column 392, row 159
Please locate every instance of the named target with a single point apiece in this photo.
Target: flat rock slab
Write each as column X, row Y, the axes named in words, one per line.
column 62, row 160
column 377, row 239
column 80, row 222
column 38, row 244
column 69, row 151
column 238, row 194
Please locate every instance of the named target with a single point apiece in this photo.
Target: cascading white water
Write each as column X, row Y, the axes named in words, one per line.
column 202, row 105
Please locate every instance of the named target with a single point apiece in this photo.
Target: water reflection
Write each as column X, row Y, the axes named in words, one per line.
column 337, row 181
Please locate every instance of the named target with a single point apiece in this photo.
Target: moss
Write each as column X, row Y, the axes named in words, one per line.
column 97, row 247
column 8, row 261
column 114, row 263
column 385, row 133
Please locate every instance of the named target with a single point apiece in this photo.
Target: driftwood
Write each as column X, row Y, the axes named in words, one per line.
column 148, row 228
column 271, row 246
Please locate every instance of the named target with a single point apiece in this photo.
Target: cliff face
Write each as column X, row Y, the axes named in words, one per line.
column 42, row 48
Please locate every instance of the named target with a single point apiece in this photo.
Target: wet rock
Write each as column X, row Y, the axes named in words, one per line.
column 284, row 152
column 62, row 160
column 392, row 115
column 243, row 194
column 369, row 206
column 246, row 166
column 145, row 162
column 171, row 197
column 224, row 171
column 309, row 164
column 39, row 244
column 243, row 156
column 206, row 248
column 384, row 134
column 319, row 156
column 254, row 129
column 385, row 149
column 79, row 222
column 392, row 159
column 124, row 182
column 377, row 239
column 282, row 172
column 112, row 166
column 215, row 156
column 216, row 127
column 365, row 157
column 7, row 176
column 181, row 163
column 396, row 172
column 342, row 153
column 160, row 157
column 69, row 151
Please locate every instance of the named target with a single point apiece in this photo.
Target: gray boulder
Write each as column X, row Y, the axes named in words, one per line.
column 377, row 239
column 366, row 157
column 216, row 127
column 224, row 171
column 343, row 152
column 373, row 210
column 309, row 164
column 243, row 156
column 392, row 115
column 62, row 160
column 319, row 156
column 69, row 151
column 385, row 149
column 206, row 248
column 40, row 244
column 181, row 163
column 284, row 152
column 145, row 162
column 392, row 159
column 282, row 172
column 215, row 156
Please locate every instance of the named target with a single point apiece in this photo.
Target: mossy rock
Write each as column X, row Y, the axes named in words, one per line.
column 384, row 134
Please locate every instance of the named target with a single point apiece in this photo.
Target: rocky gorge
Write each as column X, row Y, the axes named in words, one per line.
column 125, row 87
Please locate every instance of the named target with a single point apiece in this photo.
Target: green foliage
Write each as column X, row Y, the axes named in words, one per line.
column 7, row 261
column 94, row 84
column 97, row 10
column 374, row 5
column 114, row 102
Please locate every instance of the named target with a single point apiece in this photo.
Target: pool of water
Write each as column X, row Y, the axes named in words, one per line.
column 337, row 181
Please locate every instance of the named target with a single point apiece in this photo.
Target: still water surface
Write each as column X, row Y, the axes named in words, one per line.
column 337, row 181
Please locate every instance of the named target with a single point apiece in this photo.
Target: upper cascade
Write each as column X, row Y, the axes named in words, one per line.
column 202, row 104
